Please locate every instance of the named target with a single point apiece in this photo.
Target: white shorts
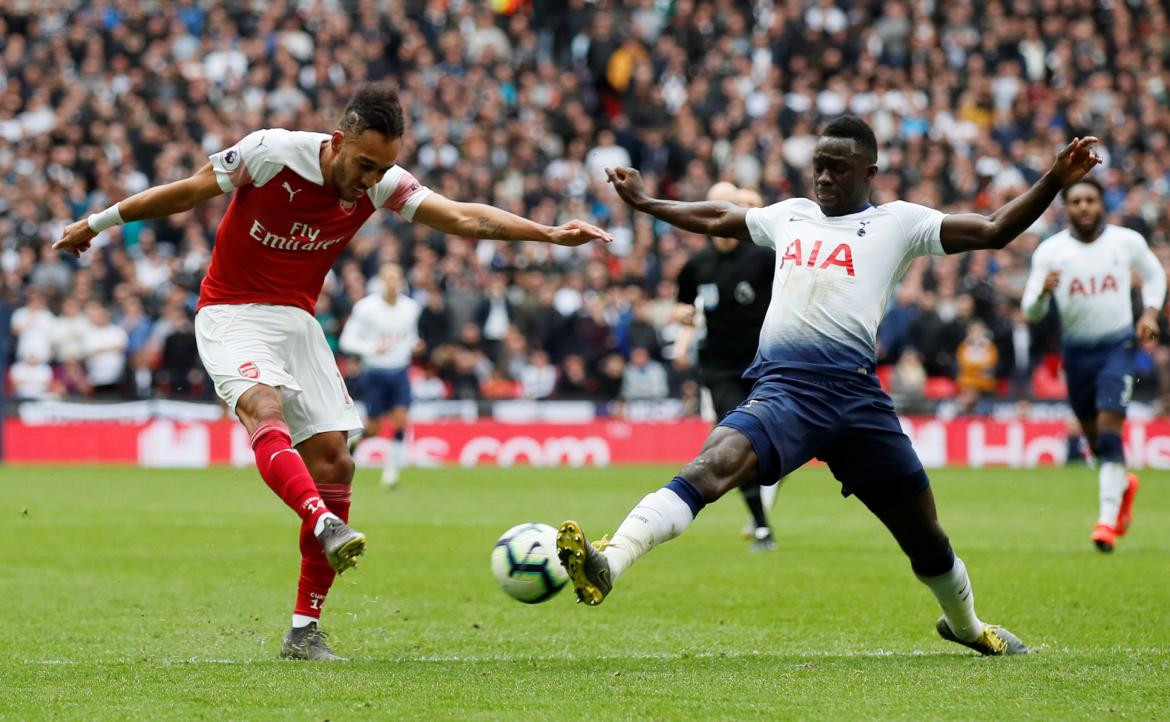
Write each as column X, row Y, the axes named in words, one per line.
column 242, row 345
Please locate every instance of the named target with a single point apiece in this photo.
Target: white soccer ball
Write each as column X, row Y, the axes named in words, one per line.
column 525, row 564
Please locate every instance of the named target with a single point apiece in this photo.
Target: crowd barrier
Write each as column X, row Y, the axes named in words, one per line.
column 198, row 443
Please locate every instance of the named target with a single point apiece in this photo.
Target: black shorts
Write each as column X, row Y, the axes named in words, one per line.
column 728, row 388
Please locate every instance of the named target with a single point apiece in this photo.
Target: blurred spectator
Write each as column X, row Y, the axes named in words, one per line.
column 69, row 331
column 927, row 334
column 32, row 378
column 538, row 378
column 495, row 314
column 894, row 332
column 977, row 361
column 434, row 323
column 104, row 344
column 33, row 325
column 908, row 383
column 644, row 378
column 463, row 375
column 179, row 370
column 612, row 377
column 574, row 383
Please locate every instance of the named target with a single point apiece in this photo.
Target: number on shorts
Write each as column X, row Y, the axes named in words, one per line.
column 1127, row 391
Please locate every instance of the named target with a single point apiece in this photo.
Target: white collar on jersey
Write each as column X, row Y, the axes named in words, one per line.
column 302, row 154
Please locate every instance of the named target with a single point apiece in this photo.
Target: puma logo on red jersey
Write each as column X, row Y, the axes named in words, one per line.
column 291, row 192
column 841, row 256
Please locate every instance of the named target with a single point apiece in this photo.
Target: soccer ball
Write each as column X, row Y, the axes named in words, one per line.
column 525, row 564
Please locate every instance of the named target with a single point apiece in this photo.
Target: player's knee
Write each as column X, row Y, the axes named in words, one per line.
column 333, row 468
column 261, row 403
column 342, row 468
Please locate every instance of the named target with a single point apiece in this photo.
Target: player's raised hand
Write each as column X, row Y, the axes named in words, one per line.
column 1075, row 160
column 628, row 184
column 75, row 238
column 1051, row 281
column 577, row 232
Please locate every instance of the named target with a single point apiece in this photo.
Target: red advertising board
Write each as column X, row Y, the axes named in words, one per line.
column 964, row 442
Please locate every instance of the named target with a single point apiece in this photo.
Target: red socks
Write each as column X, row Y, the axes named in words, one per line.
column 316, row 574
column 285, row 472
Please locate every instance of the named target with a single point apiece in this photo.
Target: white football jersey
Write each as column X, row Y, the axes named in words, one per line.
column 383, row 335
column 1093, row 297
column 834, row 277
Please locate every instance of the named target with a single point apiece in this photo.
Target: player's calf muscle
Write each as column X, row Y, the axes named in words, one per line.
column 726, row 462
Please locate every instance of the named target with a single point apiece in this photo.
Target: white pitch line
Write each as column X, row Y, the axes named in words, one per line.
column 676, row 656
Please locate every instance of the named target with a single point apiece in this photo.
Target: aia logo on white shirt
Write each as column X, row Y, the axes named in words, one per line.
column 1090, row 287
column 841, row 257
column 291, row 193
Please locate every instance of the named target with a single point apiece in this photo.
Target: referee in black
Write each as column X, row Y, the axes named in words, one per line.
column 732, row 282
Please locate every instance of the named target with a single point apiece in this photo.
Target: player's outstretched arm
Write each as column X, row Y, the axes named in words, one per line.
column 476, row 220
column 156, row 202
column 713, row 218
column 973, row 232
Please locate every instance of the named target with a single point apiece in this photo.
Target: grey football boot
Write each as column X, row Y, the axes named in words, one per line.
column 994, row 641
column 308, row 643
column 342, row 545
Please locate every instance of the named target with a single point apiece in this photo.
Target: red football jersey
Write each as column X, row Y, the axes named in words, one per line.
column 285, row 226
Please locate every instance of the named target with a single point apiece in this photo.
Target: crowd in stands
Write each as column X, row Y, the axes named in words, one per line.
column 970, row 101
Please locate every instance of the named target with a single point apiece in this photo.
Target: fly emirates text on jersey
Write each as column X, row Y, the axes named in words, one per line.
column 301, row 237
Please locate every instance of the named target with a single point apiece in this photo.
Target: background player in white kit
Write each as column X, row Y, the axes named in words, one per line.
column 383, row 331
column 298, row 198
column 837, row 263
column 1087, row 269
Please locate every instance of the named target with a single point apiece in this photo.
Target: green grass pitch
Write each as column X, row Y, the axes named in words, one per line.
column 154, row 594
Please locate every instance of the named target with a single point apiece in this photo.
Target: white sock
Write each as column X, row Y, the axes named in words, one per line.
column 300, row 620
column 1112, row 483
column 393, row 458
column 955, row 596
column 659, row 517
column 768, row 495
column 321, row 522
column 398, row 451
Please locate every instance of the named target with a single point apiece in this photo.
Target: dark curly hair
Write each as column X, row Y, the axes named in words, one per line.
column 374, row 106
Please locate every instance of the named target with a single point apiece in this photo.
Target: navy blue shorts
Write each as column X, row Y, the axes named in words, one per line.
column 385, row 389
column 846, row 421
column 1100, row 377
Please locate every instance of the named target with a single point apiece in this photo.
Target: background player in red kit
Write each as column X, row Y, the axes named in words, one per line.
column 299, row 199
